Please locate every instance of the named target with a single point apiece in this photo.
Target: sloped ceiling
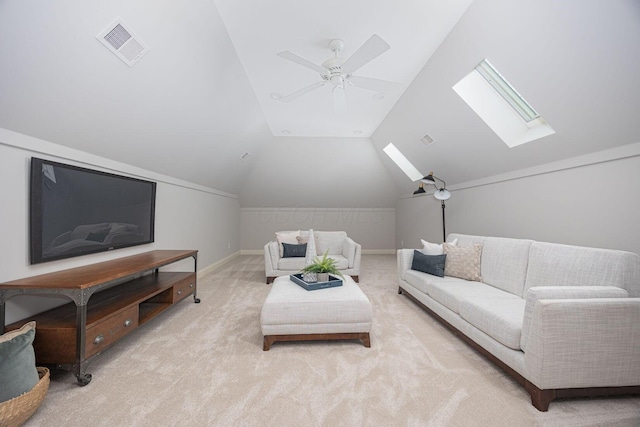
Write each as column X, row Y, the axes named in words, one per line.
column 199, row 99
column 576, row 62
column 185, row 110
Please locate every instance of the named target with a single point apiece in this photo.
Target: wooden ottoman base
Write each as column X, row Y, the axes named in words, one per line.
column 270, row 339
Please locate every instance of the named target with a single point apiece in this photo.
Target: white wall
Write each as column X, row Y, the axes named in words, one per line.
column 188, row 216
column 374, row 229
column 296, row 172
column 591, row 200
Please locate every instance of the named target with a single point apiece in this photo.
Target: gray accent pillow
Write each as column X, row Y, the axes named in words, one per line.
column 18, row 373
column 294, row 251
column 430, row 264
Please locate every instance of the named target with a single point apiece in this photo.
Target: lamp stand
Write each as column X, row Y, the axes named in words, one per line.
column 444, row 232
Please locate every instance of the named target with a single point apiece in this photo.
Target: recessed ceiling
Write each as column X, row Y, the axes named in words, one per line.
column 259, row 30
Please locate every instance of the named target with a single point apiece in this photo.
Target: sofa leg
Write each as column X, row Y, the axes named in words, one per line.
column 270, row 280
column 540, row 399
column 356, row 279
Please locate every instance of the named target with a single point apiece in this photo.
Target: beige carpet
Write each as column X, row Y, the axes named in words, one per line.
column 203, row 365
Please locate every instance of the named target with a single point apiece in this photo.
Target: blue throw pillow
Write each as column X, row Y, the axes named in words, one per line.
column 294, row 251
column 18, row 373
column 430, row 264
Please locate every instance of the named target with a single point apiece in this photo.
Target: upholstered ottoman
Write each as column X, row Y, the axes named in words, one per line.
column 291, row 313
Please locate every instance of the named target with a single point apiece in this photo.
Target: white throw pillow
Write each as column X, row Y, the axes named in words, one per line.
column 286, row 237
column 434, row 248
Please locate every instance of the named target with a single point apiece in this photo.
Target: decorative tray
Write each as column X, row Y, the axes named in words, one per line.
column 331, row 283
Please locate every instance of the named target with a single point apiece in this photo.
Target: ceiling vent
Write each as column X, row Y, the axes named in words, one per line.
column 426, row 140
column 123, row 42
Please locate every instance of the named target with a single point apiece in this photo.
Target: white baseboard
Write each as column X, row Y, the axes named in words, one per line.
column 252, row 252
column 364, row 252
column 216, row 265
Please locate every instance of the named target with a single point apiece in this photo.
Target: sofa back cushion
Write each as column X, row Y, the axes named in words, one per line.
column 552, row 264
column 331, row 241
column 503, row 263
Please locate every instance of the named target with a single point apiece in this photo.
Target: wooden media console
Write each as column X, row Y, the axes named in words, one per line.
column 110, row 299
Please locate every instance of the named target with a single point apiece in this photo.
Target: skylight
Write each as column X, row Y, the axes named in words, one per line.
column 502, row 86
column 501, row 107
column 402, row 162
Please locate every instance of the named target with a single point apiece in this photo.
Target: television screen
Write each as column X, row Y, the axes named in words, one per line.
column 76, row 211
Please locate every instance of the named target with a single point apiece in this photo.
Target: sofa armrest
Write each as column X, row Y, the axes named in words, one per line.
column 352, row 251
column 271, row 257
column 577, row 343
column 405, row 259
column 562, row 292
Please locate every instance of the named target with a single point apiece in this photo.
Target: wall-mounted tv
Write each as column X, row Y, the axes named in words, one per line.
column 76, row 211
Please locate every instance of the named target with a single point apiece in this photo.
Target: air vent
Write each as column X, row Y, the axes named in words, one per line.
column 245, row 156
column 426, row 140
column 123, row 42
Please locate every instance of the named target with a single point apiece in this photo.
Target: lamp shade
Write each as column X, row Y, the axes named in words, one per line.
column 428, row 180
column 420, row 190
column 442, row 194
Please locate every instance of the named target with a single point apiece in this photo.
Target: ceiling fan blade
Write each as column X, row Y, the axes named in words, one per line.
column 297, row 94
column 375, row 85
column 339, row 100
column 301, row 61
column 371, row 49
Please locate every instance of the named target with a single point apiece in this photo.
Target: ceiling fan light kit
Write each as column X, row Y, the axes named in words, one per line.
column 338, row 71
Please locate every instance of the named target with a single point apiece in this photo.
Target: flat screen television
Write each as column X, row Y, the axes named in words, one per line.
column 76, row 211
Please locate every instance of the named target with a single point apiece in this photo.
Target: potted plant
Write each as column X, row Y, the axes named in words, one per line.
column 322, row 268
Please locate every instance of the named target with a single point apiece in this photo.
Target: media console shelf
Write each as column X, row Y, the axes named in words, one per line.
column 110, row 299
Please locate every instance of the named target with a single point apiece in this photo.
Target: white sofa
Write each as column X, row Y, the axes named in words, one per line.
column 340, row 247
column 563, row 320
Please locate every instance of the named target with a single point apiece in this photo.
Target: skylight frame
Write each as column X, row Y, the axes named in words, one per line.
column 506, row 91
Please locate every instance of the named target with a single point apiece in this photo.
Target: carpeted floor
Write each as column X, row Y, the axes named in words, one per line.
column 203, row 365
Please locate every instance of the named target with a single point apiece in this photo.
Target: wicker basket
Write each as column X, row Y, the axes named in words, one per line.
column 14, row 412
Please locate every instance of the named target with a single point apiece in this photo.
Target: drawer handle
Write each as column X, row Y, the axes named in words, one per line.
column 127, row 323
column 191, row 285
column 98, row 339
column 179, row 292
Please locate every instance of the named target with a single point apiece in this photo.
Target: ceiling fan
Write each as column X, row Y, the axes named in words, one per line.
column 339, row 72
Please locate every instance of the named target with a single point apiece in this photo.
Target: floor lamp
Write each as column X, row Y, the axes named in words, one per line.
column 441, row 194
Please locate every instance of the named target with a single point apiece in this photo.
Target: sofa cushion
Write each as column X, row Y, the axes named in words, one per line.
column 298, row 263
column 554, row 264
column 504, row 263
column 449, row 291
column 420, row 280
column 500, row 317
column 463, row 261
column 430, row 264
column 286, row 237
column 330, row 241
column 293, row 251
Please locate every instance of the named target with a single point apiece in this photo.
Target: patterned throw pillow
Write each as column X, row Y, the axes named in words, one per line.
column 463, row 261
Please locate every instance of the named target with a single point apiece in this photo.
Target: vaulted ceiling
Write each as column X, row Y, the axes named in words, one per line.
column 200, row 100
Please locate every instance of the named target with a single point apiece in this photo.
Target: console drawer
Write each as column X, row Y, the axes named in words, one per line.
column 109, row 330
column 184, row 287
